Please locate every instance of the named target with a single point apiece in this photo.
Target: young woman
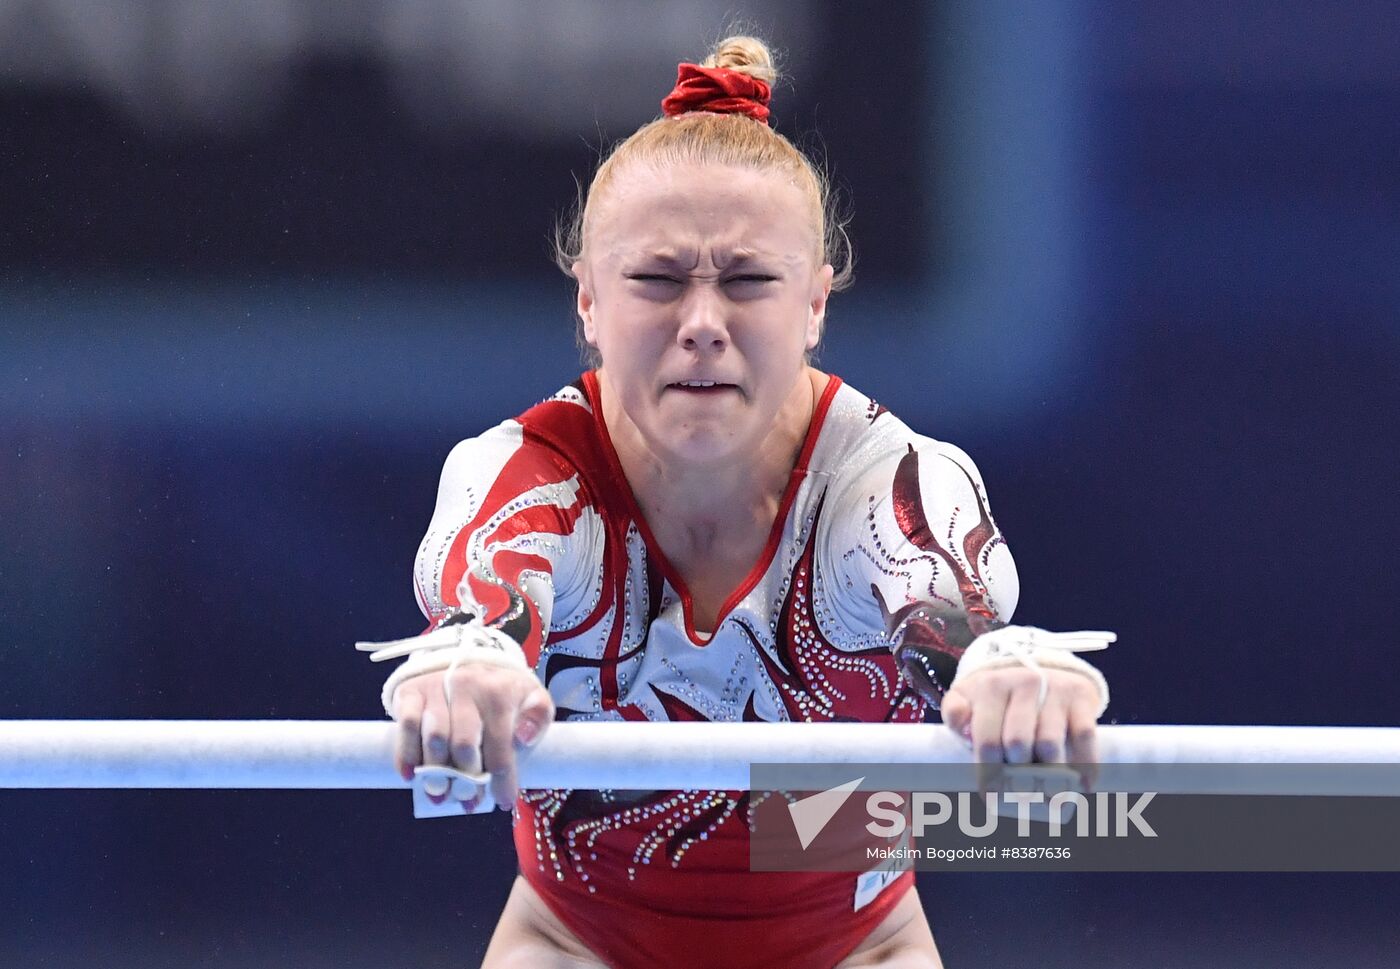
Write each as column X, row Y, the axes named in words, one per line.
column 705, row 527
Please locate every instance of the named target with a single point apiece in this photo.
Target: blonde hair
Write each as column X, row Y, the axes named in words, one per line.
column 703, row 137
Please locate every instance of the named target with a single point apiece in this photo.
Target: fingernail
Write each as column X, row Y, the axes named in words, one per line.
column 527, row 733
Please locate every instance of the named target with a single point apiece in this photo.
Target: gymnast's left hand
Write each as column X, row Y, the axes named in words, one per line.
column 997, row 711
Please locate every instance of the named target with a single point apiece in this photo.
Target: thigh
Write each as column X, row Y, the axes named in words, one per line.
column 902, row 941
column 530, row 936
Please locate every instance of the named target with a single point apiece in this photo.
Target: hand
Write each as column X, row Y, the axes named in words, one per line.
column 996, row 710
column 494, row 712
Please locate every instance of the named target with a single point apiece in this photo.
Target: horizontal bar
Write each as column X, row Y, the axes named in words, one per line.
column 326, row 755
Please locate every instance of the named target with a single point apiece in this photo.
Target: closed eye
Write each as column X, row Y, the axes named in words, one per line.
column 653, row 278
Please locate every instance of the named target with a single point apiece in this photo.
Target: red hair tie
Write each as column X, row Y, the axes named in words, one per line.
column 719, row 90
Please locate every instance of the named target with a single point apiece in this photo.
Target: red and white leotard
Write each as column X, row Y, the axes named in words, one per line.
column 882, row 564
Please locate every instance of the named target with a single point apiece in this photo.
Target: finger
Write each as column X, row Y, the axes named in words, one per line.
column 466, row 724
column 498, row 716
column 436, row 731
column 436, row 734
column 957, row 714
column 988, row 713
column 534, row 717
column 1083, row 739
column 1050, row 732
column 408, row 750
column 1018, row 724
column 465, row 746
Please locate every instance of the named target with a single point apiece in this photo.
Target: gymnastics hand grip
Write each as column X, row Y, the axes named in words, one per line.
column 436, row 780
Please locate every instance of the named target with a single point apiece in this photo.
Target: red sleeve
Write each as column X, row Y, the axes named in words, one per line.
column 505, row 530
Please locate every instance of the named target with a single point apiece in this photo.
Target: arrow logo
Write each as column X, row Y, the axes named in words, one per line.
column 811, row 814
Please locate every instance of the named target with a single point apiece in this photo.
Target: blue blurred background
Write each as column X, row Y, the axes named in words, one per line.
column 262, row 264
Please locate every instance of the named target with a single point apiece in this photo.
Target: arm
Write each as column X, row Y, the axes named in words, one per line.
column 498, row 539
column 917, row 537
column 930, row 643
column 945, row 585
column 504, row 532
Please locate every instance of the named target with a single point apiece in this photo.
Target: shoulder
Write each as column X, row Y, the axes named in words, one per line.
column 557, row 434
column 550, row 443
column 860, row 436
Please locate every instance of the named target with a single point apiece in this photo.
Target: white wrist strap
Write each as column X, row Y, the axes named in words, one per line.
column 445, row 648
column 1037, row 648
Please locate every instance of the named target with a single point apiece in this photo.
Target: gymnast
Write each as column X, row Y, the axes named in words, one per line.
column 706, row 527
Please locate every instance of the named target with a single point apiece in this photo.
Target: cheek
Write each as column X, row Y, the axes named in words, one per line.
column 787, row 341
column 628, row 346
column 605, row 329
column 619, row 342
column 617, row 315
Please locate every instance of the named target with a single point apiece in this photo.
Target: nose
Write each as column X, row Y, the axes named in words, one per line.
column 703, row 322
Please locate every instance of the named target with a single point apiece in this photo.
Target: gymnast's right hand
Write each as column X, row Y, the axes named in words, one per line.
column 493, row 712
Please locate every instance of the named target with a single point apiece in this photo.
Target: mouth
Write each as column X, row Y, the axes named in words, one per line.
column 702, row 388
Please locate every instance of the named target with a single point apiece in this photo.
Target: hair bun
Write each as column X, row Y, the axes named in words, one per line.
column 747, row 55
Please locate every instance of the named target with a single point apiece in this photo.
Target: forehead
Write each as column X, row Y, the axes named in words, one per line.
column 687, row 207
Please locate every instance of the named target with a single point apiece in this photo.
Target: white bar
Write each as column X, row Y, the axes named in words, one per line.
column 305, row 754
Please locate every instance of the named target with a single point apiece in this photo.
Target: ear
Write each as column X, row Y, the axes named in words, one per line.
column 821, row 292
column 584, row 305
